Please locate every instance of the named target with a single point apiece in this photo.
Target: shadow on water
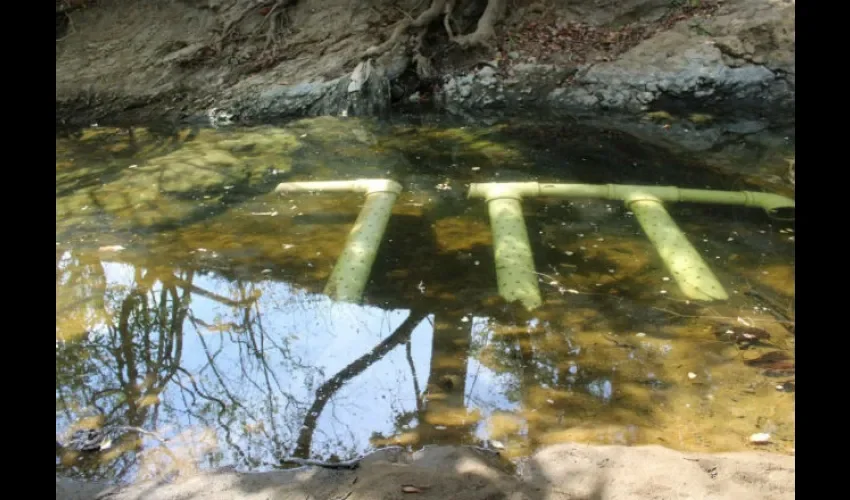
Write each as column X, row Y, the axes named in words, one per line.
column 191, row 320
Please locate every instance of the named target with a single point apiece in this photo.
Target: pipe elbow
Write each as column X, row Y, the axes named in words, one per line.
column 370, row 186
column 777, row 206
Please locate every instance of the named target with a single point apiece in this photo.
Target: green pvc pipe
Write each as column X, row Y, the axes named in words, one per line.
column 515, row 272
column 351, row 272
column 775, row 205
column 692, row 274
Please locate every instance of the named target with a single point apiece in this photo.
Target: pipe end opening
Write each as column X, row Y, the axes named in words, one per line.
column 781, row 213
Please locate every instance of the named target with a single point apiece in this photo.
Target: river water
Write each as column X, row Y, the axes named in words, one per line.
column 189, row 300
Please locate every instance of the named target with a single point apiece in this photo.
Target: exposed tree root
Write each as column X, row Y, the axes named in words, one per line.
column 422, row 21
column 485, row 32
column 483, row 35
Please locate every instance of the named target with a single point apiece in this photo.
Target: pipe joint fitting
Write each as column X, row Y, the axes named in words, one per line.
column 506, row 190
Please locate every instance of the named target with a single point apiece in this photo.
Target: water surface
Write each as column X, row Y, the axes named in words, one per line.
column 189, row 300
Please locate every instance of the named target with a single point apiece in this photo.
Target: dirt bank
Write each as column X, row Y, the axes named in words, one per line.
column 260, row 60
column 568, row 471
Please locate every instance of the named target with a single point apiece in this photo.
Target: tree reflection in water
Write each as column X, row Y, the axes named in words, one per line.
column 193, row 359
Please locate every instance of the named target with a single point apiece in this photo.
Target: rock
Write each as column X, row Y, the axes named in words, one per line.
column 760, row 438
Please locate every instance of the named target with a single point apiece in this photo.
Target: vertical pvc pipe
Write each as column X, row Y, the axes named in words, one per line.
column 687, row 266
column 515, row 272
column 351, row 272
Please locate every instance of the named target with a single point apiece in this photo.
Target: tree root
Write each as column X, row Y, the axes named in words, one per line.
column 482, row 36
column 422, row 21
column 485, row 32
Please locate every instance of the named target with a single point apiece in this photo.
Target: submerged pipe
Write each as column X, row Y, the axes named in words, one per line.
column 515, row 274
column 775, row 205
column 351, row 272
column 692, row 274
column 514, row 266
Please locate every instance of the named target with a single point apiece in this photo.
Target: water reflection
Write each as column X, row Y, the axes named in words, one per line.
column 202, row 323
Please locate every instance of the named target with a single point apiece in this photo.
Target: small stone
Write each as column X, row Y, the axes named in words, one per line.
column 692, row 375
column 760, row 438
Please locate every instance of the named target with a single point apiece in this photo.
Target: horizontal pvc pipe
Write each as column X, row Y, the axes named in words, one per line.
column 354, row 186
column 774, row 204
column 351, row 272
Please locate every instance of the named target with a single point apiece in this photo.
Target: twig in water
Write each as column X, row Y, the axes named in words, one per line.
column 730, row 318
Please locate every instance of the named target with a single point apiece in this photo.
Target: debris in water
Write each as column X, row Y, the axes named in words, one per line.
column 760, row 438
column 497, row 444
column 440, row 427
column 288, row 246
column 666, row 278
column 421, row 287
column 772, row 359
column 640, row 334
column 111, row 248
column 409, row 488
column 692, row 375
column 741, row 334
column 569, row 254
column 476, row 169
column 464, row 319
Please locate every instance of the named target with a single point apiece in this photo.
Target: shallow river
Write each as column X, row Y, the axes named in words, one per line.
column 189, row 300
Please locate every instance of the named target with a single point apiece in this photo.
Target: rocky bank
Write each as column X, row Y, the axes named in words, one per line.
column 735, row 58
column 569, row 471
